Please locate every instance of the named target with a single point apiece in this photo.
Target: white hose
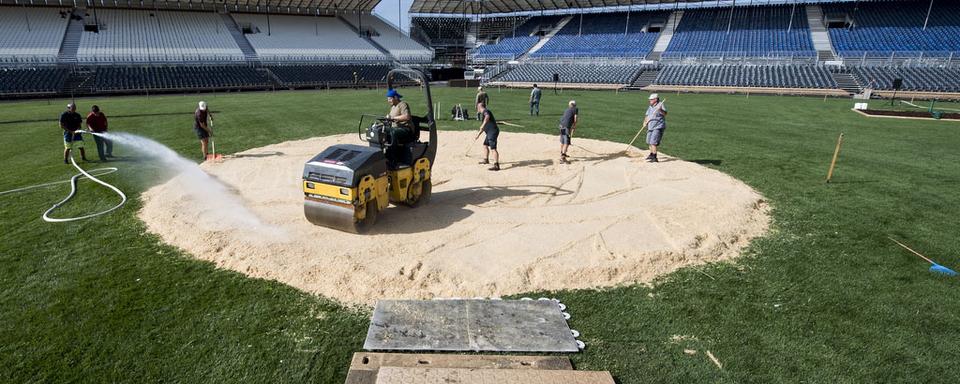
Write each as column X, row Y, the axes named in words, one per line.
column 73, row 191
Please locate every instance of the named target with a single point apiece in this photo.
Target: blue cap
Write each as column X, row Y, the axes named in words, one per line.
column 393, row 93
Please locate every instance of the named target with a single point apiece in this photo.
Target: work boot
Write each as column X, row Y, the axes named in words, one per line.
column 495, row 167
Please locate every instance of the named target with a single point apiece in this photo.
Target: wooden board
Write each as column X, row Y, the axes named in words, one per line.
column 365, row 365
column 394, row 375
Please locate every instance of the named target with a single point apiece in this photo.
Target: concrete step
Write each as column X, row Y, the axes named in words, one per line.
column 646, row 78
column 666, row 35
column 846, row 82
column 71, row 38
column 249, row 53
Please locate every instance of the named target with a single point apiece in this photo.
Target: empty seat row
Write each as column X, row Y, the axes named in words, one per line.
column 178, row 77
column 572, row 73
column 282, row 37
column 400, row 46
column 922, row 79
column 882, row 29
column 31, row 80
column 749, row 31
column 150, row 36
column 332, row 73
column 32, row 32
column 726, row 75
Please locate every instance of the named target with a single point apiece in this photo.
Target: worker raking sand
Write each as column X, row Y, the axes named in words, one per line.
column 604, row 220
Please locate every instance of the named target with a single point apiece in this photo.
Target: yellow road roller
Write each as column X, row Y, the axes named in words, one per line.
column 346, row 186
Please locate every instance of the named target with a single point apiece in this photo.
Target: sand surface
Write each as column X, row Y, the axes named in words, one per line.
column 606, row 219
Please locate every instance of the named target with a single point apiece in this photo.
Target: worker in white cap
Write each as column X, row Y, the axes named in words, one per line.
column 201, row 126
column 482, row 98
column 656, row 124
column 568, row 124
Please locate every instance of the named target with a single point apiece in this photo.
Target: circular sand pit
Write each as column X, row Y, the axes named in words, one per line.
column 606, row 219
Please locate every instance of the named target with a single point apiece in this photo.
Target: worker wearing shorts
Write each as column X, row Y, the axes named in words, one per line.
column 656, row 124
column 568, row 123
column 70, row 122
column 201, row 126
column 490, row 127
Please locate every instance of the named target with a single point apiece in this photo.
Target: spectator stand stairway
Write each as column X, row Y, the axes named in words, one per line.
column 546, row 38
column 665, row 36
column 71, row 38
column 846, row 82
column 818, row 33
column 249, row 54
column 368, row 39
column 79, row 82
column 646, row 78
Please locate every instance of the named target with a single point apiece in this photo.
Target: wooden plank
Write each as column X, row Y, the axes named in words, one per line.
column 396, row 375
column 365, row 365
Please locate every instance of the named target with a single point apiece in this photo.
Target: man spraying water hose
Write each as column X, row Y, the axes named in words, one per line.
column 97, row 123
column 70, row 122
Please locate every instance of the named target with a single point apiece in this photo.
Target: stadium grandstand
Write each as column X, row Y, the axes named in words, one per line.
column 834, row 46
column 781, row 45
column 80, row 48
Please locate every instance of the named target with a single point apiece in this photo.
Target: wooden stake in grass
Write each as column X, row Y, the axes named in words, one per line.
column 836, row 154
column 714, row 360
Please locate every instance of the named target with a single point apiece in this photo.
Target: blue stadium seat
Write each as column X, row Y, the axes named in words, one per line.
column 885, row 29
column 729, row 75
column 603, row 35
column 754, row 32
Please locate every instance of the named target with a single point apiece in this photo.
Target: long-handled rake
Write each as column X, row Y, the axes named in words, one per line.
column 213, row 144
column 934, row 266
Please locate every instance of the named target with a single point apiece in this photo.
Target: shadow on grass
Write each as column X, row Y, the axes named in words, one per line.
column 706, row 162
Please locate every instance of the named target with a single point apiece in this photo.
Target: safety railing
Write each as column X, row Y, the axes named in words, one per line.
column 899, row 58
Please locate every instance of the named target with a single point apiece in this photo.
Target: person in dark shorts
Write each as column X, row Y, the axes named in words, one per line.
column 490, row 127
column 70, row 122
column 568, row 124
column 201, row 120
column 97, row 123
column 655, row 121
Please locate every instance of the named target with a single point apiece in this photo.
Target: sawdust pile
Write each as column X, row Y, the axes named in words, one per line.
column 606, row 219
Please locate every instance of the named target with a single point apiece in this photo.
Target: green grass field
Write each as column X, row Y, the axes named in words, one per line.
column 824, row 297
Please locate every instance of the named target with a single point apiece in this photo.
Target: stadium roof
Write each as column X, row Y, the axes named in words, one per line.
column 253, row 6
column 520, row 7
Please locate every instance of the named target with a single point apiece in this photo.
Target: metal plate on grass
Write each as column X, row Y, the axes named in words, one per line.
column 469, row 325
column 395, row 375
